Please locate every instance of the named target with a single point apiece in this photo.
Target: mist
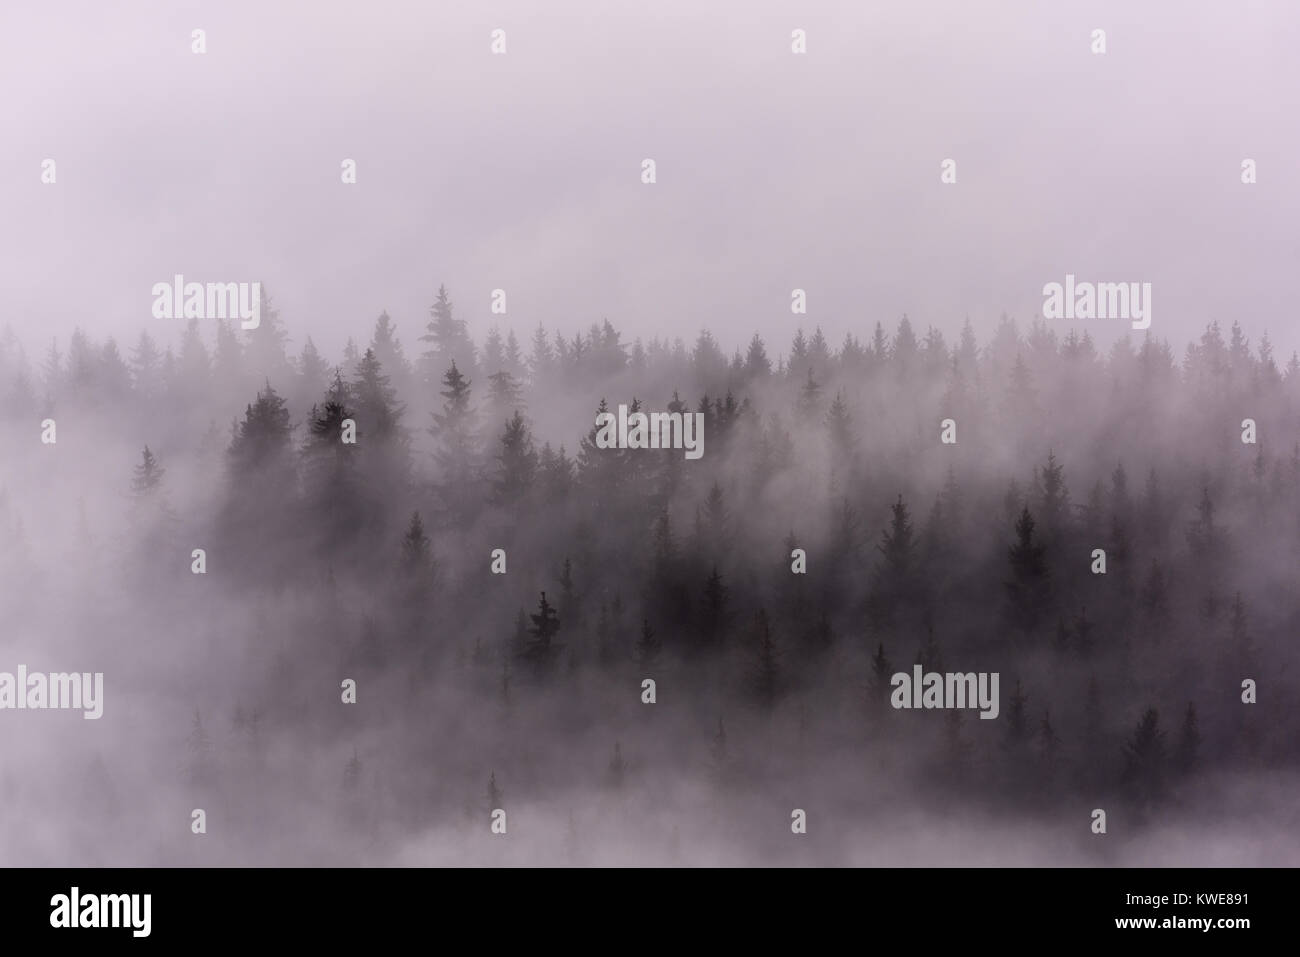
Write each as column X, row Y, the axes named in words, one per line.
column 362, row 577
column 498, row 588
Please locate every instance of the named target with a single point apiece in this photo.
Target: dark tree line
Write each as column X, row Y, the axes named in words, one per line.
column 977, row 555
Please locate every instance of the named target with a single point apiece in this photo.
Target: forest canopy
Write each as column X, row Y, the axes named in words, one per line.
column 1115, row 534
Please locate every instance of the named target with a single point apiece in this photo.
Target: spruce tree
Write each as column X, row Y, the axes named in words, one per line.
column 1202, row 533
column 517, row 463
column 265, row 353
column 897, row 544
column 1053, row 496
column 809, row 406
column 456, row 446
column 378, row 410
column 1144, row 756
column 146, row 367
column 312, row 369
column 757, row 364
column 389, row 352
column 1029, row 586
column 505, row 396
column 148, row 475
column 717, row 520
column 546, row 624
column 839, row 429
column 261, row 440
column 334, row 494
column 417, row 550
column 1189, row 741
column 449, row 340
column 352, row 772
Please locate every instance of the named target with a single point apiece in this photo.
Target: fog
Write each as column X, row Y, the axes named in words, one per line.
column 775, row 171
column 965, row 547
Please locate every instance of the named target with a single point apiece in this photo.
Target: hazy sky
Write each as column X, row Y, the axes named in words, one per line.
column 774, row 171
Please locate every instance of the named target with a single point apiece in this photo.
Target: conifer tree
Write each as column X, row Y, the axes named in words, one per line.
column 556, row 474
column 265, row 352
column 717, row 520
column 228, row 358
column 148, row 475
column 389, row 353
column 313, row 371
column 352, row 772
column 839, row 426
column 1144, row 756
column 517, row 463
column 1202, row 533
column 1030, row 582
column 757, row 364
column 449, row 340
column 375, row 400
column 1053, row 497
column 456, row 451
column 810, row 398
column 334, row 494
column 261, row 440
column 505, row 396
column 146, row 367
column 417, row 550
column 546, row 624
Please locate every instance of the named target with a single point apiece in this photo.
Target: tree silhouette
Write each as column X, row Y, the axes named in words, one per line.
column 1144, row 757
column 546, row 624
column 517, row 463
column 456, row 450
column 1029, row 586
column 261, row 440
column 148, row 475
column 450, row 344
column 417, row 551
column 714, row 609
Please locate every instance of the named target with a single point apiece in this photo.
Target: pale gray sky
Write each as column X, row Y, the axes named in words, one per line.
column 775, row 171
